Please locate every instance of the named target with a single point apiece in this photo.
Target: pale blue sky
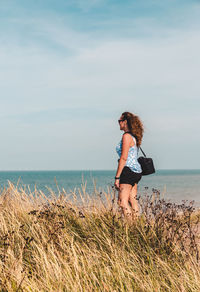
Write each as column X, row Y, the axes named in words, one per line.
column 70, row 68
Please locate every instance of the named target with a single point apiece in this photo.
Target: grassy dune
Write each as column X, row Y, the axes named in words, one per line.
column 60, row 244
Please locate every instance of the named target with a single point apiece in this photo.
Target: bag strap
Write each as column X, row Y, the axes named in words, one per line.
column 136, row 140
column 142, row 152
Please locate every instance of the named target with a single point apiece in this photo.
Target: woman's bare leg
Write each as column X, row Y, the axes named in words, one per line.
column 123, row 198
column 133, row 201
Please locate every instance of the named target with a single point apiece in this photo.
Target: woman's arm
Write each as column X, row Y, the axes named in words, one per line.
column 126, row 141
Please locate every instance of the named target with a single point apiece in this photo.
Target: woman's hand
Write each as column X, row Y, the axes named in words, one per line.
column 117, row 184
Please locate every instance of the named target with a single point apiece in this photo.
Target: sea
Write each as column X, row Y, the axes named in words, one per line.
column 173, row 185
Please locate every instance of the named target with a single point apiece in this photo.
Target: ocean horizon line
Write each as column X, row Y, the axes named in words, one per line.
column 60, row 170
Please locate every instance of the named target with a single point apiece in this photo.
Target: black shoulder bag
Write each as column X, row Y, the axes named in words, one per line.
column 145, row 162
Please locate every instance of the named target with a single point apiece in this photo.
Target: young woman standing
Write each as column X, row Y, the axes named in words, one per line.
column 129, row 171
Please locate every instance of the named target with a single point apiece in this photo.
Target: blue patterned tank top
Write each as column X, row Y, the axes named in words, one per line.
column 131, row 161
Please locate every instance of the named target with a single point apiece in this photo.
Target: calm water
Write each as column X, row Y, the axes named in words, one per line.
column 175, row 185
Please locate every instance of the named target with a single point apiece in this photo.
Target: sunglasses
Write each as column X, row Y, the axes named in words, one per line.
column 119, row 121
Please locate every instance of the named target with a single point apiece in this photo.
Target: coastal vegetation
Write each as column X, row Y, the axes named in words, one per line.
column 81, row 242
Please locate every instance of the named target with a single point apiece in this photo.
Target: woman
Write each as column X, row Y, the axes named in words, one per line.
column 129, row 171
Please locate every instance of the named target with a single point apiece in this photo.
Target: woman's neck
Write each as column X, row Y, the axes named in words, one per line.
column 127, row 131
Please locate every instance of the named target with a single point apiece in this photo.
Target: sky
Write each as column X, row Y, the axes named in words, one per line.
column 68, row 69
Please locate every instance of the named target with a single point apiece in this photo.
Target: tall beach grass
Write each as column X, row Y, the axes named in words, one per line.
column 61, row 243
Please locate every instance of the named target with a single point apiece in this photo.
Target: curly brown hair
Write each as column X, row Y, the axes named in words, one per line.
column 135, row 126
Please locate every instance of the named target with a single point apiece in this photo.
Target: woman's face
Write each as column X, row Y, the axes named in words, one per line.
column 122, row 123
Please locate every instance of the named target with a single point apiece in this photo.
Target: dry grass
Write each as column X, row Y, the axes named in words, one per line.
column 60, row 244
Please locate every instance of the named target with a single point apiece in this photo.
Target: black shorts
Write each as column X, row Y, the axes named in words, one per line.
column 129, row 177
